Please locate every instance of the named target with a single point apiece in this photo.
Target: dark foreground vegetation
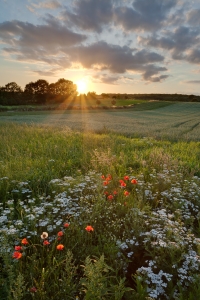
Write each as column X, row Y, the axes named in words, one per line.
column 97, row 216
column 65, row 91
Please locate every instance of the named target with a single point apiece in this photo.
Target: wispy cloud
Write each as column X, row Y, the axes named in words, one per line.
column 44, row 5
column 192, row 81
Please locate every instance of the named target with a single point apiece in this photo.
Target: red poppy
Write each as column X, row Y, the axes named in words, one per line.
column 18, row 248
column 33, row 289
column 45, row 243
column 126, row 177
column 121, row 181
column 106, row 193
column 66, row 225
column 126, row 193
column 106, row 182
column 115, row 193
column 134, row 181
column 89, row 228
column 17, row 255
column 60, row 233
column 102, row 176
column 109, row 177
column 60, row 247
column 123, row 184
column 110, row 197
column 24, row 241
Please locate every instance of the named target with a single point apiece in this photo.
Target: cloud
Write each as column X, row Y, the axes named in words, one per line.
column 116, row 59
column 51, row 72
column 90, row 14
column 181, row 42
column 193, row 17
column 192, row 81
column 151, row 71
column 24, row 35
column 94, row 15
column 180, row 39
column 53, row 44
column 193, row 56
column 104, row 78
column 44, row 5
column 144, row 15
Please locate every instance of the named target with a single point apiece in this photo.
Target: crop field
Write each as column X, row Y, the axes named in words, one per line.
column 101, row 204
column 159, row 120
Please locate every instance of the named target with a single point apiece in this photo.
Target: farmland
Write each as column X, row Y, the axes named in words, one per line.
column 100, row 204
column 158, row 120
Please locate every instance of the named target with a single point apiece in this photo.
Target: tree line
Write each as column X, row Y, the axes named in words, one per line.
column 160, row 97
column 41, row 92
column 38, row 92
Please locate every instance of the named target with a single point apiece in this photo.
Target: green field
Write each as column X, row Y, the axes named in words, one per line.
column 152, row 119
column 111, row 215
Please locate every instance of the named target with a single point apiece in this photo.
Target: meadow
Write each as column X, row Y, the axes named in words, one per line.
column 100, row 205
column 163, row 120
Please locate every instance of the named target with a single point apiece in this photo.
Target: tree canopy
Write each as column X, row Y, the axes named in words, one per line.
column 63, row 87
column 12, row 87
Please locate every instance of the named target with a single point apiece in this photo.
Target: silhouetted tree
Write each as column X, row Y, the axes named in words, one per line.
column 12, row 87
column 11, row 94
column 62, row 89
column 37, row 90
column 91, row 95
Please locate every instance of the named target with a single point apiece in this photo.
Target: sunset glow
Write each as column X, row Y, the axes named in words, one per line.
column 81, row 86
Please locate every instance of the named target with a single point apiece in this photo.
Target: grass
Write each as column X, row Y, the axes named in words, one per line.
column 77, row 102
column 105, row 103
column 160, row 120
column 97, row 216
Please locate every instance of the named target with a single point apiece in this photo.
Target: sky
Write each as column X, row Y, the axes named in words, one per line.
column 140, row 46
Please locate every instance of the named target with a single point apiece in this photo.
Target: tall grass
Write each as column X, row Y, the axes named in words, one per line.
column 172, row 121
column 97, row 216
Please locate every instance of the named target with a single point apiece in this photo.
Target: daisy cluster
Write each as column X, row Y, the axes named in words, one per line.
column 30, row 216
column 152, row 219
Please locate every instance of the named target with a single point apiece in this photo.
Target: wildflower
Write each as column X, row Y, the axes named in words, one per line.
column 44, row 235
column 134, row 181
column 110, row 197
column 106, row 193
column 18, row 248
column 33, row 289
column 60, row 233
column 24, row 241
column 106, row 182
column 45, row 243
column 123, row 184
column 102, row 176
column 17, row 255
column 60, row 247
column 126, row 193
column 109, row 177
column 115, row 193
column 66, row 225
column 126, row 177
column 89, row 228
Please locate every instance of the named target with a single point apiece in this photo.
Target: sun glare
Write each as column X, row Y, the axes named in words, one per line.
column 81, row 86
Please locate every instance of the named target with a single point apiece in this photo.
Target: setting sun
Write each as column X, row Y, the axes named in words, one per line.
column 81, row 86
